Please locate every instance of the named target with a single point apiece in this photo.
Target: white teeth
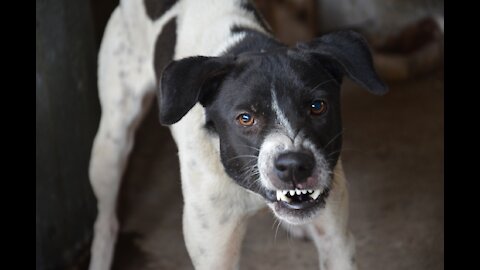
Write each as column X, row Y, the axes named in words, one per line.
column 315, row 194
column 281, row 195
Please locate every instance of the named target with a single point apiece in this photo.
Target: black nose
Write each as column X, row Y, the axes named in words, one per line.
column 294, row 167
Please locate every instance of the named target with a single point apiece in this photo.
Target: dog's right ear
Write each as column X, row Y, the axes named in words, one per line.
column 185, row 82
column 346, row 53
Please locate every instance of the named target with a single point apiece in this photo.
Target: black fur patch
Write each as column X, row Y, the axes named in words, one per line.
column 156, row 8
column 165, row 46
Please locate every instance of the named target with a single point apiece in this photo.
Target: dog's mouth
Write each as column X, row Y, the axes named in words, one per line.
column 299, row 199
column 297, row 206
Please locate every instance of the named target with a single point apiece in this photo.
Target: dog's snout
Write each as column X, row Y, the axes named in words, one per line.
column 294, row 167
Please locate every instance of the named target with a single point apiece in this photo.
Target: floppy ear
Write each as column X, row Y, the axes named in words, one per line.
column 346, row 53
column 185, row 82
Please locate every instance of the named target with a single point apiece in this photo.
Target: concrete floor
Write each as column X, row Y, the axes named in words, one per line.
column 393, row 159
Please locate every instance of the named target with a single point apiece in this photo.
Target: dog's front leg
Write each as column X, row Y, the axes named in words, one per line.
column 329, row 232
column 213, row 234
column 215, row 217
column 336, row 249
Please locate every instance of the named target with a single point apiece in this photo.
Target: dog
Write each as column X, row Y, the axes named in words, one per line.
column 256, row 123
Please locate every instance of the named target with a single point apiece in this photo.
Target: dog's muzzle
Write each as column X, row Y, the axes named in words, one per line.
column 296, row 182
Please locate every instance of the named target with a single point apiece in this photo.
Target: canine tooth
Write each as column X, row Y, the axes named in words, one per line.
column 298, row 192
column 279, row 195
column 292, row 192
column 284, row 198
column 304, row 191
column 315, row 194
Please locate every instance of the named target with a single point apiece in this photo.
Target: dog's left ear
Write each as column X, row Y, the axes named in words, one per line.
column 346, row 53
column 185, row 82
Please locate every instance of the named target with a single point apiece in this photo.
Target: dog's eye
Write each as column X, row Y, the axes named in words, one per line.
column 318, row 107
column 245, row 119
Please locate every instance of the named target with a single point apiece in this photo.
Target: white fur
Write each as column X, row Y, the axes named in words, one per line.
column 272, row 145
column 216, row 209
column 280, row 115
column 329, row 231
column 234, row 39
column 218, row 16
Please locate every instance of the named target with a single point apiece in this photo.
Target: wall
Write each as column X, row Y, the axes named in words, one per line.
column 67, row 115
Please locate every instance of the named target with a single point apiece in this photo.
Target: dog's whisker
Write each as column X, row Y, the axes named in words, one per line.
column 332, row 140
column 243, row 156
column 249, row 165
column 275, row 219
column 333, row 153
column 248, row 171
column 255, row 181
column 252, row 182
column 251, row 147
column 276, row 231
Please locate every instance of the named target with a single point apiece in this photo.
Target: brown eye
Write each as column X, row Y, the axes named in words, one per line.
column 245, row 119
column 318, row 107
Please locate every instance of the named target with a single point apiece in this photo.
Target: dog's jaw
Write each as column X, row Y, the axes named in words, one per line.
column 299, row 216
column 284, row 201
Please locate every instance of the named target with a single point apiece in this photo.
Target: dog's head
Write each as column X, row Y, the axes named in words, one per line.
column 276, row 114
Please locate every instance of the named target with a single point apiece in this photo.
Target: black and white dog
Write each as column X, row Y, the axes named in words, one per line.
column 256, row 123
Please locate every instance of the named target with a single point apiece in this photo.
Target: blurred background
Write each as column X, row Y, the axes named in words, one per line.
column 393, row 145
